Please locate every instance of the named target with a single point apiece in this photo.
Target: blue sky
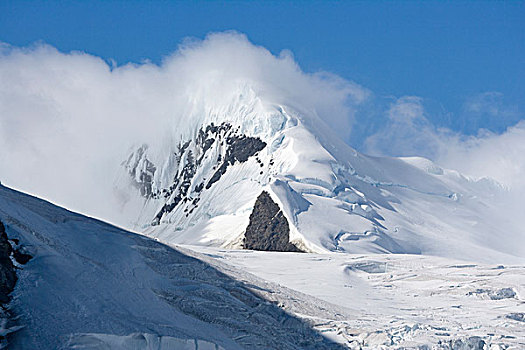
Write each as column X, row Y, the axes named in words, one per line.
column 466, row 60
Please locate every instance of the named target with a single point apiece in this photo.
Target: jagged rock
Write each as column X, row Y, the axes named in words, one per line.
column 268, row 228
column 240, row 148
column 21, row 257
column 7, row 269
column 185, row 180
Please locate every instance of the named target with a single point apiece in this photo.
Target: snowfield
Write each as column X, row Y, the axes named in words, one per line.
column 401, row 301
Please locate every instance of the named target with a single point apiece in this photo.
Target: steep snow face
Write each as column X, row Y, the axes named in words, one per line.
column 198, row 185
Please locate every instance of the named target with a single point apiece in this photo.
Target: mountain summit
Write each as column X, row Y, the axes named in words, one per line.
column 200, row 182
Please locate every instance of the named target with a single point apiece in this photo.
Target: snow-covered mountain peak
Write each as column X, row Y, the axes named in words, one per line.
column 239, row 105
column 199, row 185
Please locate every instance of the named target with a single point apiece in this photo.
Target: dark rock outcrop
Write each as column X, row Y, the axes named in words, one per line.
column 268, row 228
column 19, row 253
column 232, row 147
column 240, row 148
column 7, row 269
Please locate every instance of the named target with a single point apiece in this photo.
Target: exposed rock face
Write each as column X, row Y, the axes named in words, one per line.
column 240, row 148
column 221, row 145
column 7, row 269
column 268, row 228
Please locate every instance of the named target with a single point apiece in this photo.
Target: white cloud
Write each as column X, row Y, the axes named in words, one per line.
column 490, row 102
column 67, row 120
column 500, row 157
column 488, row 154
column 407, row 132
column 497, row 156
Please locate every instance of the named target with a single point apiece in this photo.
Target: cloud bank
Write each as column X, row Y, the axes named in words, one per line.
column 408, row 132
column 500, row 157
column 67, row 120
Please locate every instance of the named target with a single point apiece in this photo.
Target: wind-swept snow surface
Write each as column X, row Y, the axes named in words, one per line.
column 91, row 285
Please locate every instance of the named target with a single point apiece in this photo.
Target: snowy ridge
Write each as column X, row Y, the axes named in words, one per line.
column 198, row 185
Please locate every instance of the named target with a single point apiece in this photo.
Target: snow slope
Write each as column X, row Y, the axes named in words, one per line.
column 197, row 184
column 91, row 285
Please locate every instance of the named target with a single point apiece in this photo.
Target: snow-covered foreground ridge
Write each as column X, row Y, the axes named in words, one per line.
column 197, row 184
column 90, row 285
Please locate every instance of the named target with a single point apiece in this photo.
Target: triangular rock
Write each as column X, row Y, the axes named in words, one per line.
column 268, row 228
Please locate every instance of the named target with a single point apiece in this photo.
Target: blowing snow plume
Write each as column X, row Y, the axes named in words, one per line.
column 181, row 152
